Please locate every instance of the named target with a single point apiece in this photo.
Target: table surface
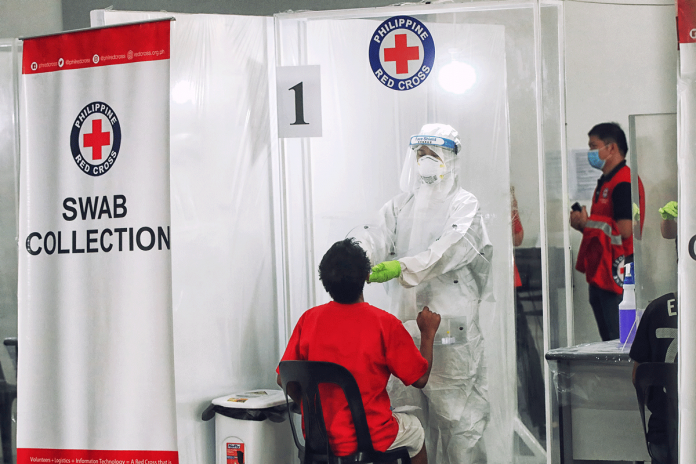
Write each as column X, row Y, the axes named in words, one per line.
column 611, row 351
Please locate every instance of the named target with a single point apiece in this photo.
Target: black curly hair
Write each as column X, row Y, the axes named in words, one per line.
column 343, row 271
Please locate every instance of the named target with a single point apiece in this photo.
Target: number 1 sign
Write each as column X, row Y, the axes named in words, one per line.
column 299, row 101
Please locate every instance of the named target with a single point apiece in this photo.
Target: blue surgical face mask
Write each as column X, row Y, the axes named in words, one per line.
column 594, row 159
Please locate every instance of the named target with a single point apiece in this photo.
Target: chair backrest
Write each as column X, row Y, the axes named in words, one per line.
column 662, row 376
column 308, row 375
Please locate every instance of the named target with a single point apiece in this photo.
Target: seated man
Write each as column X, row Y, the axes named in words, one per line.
column 656, row 341
column 372, row 344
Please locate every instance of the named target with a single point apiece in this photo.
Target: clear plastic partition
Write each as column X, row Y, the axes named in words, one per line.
column 338, row 185
column 555, row 203
column 9, row 168
column 223, row 269
column 554, row 206
column 654, row 159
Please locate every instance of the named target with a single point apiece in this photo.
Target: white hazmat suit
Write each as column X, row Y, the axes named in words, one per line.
column 435, row 230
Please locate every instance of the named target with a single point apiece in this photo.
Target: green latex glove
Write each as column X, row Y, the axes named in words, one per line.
column 669, row 211
column 636, row 213
column 385, row 271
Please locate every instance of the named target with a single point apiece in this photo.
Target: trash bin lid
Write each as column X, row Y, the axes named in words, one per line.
column 253, row 399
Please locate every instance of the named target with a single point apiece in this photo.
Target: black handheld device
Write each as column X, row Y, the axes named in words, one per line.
column 576, row 207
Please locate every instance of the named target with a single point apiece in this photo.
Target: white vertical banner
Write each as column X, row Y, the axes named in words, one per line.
column 686, row 163
column 96, row 375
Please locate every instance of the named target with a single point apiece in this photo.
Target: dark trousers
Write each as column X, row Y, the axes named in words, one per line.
column 661, row 454
column 605, row 305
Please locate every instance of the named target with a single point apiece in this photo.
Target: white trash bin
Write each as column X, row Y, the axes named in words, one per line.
column 252, row 428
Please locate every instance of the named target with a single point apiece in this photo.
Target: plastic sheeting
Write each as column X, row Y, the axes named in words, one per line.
column 9, row 174
column 349, row 173
column 599, row 418
column 225, row 329
column 445, row 255
column 224, row 253
column 653, row 156
column 579, row 384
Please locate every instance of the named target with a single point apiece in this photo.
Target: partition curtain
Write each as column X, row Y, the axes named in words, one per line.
column 223, row 273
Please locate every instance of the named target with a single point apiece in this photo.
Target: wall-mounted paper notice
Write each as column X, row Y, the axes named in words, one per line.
column 582, row 178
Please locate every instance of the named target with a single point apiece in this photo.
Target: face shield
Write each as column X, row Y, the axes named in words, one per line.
column 430, row 159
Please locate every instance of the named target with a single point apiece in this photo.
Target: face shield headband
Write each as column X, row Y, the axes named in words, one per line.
column 418, row 140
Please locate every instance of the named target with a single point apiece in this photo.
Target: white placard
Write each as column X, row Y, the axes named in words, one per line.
column 299, row 101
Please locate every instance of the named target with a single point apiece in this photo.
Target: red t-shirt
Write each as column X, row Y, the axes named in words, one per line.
column 372, row 344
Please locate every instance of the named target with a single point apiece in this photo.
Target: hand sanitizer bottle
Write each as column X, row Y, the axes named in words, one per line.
column 627, row 308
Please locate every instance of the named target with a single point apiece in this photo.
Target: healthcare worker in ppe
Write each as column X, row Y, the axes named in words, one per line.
column 431, row 247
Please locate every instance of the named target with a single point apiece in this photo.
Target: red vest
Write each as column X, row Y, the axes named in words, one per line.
column 602, row 204
column 602, row 251
column 601, row 255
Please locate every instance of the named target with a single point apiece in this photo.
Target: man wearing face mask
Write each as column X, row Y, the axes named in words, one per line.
column 432, row 249
column 607, row 239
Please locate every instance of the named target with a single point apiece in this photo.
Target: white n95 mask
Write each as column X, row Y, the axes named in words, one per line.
column 431, row 169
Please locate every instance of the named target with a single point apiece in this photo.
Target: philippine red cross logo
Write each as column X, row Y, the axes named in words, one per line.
column 402, row 53
column 617, row 269
column 95, row 138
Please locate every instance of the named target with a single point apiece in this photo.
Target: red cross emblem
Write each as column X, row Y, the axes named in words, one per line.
column 401, row 53
column 105, row 132
column 97, row 139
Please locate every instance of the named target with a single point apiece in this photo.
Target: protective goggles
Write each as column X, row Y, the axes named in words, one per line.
column 418, row 140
